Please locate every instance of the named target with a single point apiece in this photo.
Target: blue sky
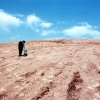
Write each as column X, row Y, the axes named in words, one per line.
column 49, row 19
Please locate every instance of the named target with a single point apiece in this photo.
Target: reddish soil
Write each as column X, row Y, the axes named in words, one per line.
column 53, row 70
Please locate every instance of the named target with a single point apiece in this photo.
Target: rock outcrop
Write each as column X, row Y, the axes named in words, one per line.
column 53, row 70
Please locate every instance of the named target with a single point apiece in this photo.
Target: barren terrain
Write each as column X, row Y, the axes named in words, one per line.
column 53, row 70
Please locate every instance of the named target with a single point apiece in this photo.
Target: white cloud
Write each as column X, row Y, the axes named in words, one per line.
column 83, row 30
column 46, row 24
column 35, row 22
column 63, row 22
column 7, row 20
column 32, row 19
column 19, row 15
column 46, row 32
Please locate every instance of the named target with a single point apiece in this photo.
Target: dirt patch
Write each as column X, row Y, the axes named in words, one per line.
column 74, row 87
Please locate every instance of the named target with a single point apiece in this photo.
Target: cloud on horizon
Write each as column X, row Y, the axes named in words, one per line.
column 32, row 19
column 35, row 22
column 83, row 31
column 19, row 15
column 8, row 20
column 46, row 25
column 47, row 32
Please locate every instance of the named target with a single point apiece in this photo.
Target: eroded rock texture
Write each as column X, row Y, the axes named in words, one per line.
column 53, row 70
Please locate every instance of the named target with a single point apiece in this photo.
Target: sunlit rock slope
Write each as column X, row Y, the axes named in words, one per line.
column 53, row 70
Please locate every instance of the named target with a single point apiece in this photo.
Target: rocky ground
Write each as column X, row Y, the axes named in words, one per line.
column 53, row 70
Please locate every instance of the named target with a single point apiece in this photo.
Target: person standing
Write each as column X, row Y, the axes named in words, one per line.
column 21, row 47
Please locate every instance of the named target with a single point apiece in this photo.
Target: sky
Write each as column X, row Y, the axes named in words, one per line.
column 49, row 19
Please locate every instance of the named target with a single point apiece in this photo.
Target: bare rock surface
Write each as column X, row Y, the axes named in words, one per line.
column 53, row 70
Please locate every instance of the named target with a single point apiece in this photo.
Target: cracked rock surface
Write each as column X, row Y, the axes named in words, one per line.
column 53, row 70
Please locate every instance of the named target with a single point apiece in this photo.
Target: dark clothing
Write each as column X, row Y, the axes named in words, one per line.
column 20, row 47
column 20, row 51
column 21, row 44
